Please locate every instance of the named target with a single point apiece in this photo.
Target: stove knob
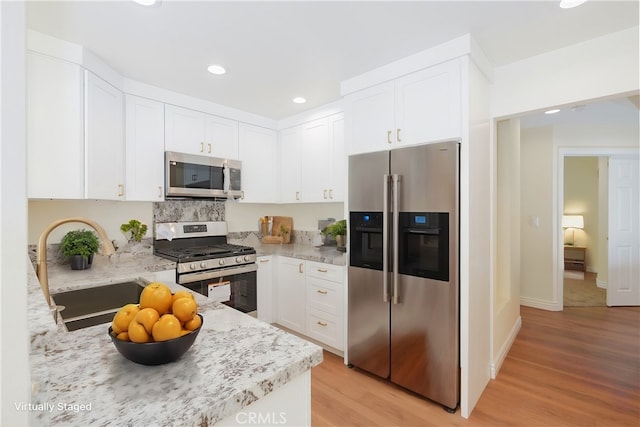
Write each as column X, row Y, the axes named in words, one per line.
column 203, row 264
column 247, row 258
column 192, row 266
column 221, row 262
column 239, row 259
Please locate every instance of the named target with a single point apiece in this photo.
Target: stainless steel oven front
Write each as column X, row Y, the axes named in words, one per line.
column 233, row 286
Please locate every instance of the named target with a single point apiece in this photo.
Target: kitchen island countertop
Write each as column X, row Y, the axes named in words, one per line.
column 79, row 378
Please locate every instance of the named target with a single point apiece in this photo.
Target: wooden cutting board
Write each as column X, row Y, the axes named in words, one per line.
column 286, row 222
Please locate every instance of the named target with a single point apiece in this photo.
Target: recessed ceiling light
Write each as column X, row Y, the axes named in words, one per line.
column 216, row 69
column 568, row 4
column 147, row 2
column 299, row 100
column 555, row 110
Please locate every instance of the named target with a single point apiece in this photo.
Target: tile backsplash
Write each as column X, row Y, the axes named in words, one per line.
column 188, row 210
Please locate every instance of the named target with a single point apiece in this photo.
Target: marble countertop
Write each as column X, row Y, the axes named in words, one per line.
column 325, row 254
column 79, row 378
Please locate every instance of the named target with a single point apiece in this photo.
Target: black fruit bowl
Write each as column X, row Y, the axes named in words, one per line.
column 155, row 353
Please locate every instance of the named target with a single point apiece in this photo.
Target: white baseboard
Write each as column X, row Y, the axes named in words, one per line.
column 541, row 304
column 506, row 346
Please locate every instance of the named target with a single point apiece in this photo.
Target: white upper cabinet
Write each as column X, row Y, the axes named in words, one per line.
column 144, row 135
column 258, row 153
column 428, row 105
column 221, row 137
column 369, row 119
column 55, row 131
column 290, row 151
column 194, row 132
column 420, row 107
column 104, row 140
column 315, row 159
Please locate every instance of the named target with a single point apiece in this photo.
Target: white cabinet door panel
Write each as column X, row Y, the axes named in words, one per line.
column 369, row 116
column 258, row 153
column 55, row 128
column 428, row 105
column 144, row 135
column 290, row 150
column 338, row 168
column 184, row 130
column 315, row 161
column 265, row 288
column 291, row 294
column 221, row 137
column 104, row 140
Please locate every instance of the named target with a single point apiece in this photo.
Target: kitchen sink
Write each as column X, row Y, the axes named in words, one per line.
column 93, row 306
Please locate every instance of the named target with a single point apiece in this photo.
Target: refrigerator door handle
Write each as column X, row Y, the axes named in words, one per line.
column 396, row 224
column 385, row 238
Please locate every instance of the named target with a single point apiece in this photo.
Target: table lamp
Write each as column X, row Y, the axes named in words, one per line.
column 571, row 222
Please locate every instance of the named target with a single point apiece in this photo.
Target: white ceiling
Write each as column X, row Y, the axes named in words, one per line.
column 274, row 51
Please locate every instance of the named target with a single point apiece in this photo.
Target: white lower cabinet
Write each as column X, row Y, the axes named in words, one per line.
column 265, row 288
column 310, row 299
column 291, row 295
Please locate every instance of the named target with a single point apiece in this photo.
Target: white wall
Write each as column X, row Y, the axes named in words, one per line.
column 109, row 214
column 593, row 69
column 537, row 203
column 581, row 198
column 507, row 271
column 540, row 147
column 14, row 359
column 244, row 217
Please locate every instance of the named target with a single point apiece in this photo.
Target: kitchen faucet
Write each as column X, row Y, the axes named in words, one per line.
column 41, row 251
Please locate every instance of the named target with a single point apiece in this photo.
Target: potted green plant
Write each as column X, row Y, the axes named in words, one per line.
column 79, row 246
column 135, row 230
column 338, row 230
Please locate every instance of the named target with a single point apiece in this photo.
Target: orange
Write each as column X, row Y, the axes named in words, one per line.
column 182, row 294
column 123, row 317
column 123, row 336
column 156, row 295
column 184, row 309
column 167, row 328
column 185, row 332
column 138, row 333
column 147, row 317
column 193, row 324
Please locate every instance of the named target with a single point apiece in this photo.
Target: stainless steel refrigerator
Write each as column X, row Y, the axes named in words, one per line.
column 403, row 289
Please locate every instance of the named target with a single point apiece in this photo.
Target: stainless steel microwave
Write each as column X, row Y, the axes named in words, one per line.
column 190, row 175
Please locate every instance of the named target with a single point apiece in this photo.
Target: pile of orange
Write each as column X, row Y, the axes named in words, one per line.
column 159, row 316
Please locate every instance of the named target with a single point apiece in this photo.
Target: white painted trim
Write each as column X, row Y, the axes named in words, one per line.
column 541, row 304
column 444, row 52
column 52, row 46
column 504, row 349
column 601, row 284
column 559, row 153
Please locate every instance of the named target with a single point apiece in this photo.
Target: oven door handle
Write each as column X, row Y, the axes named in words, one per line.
column 214, row 274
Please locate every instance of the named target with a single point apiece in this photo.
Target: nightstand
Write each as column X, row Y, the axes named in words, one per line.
column 575, row 258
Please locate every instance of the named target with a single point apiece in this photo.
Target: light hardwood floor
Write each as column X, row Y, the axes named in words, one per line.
column 578, row 367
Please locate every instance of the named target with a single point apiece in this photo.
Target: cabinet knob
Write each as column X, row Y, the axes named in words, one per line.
column 324, row 194
column 297, row 195
column 388, row 137
column 120, row 190
column 331, row 194
column 398, row 135
column 300, row 268
column 209, row 148
column 202, row 147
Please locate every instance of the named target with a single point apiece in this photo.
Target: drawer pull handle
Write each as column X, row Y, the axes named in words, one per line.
column 264, row 260
column 322, row 270
column 300, row 268
column 321, row 323
column 320, row 291
column 388, row 137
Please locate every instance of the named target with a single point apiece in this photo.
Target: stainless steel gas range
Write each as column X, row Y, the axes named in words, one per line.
column 207, row 264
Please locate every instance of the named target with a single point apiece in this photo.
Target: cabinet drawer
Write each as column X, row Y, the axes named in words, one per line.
column 325, row 328
column 335, row 273
column 324, row 295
